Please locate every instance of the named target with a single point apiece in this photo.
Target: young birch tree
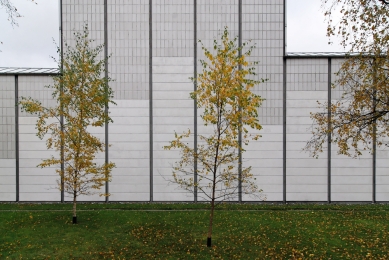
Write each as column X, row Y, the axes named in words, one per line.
column 359, row 120
column 81, row 93
column 229, row 106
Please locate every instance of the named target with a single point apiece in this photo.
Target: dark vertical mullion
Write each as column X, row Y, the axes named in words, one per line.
column 374, row 163
column 240, row 109
column 151, row 96
column 329, row 134
column 195, row 101
column 106, row 104
column 61, row 116
column 374, row 148
column 284, row 108
column 17, row 136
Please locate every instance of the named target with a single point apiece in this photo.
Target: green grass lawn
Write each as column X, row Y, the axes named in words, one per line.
column 177, row 231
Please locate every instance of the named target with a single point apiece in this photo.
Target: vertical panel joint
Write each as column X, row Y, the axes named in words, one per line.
column 106, row 104
column 195, row 101
column 329, row 115
column 151, row 98
column 17, row 137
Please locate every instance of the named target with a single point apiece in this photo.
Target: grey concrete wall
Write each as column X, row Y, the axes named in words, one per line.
column 262, row 24
column 306, row 84
column 141, row 124
column 7, row 139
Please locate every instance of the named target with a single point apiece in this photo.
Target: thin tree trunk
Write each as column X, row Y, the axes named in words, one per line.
column 209, row 238
column 74, row 208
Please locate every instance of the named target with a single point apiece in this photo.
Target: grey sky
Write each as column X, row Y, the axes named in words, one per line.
column 31, row 43
column 306, row 28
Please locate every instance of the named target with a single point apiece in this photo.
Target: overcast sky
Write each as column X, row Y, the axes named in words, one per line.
column 31, row 43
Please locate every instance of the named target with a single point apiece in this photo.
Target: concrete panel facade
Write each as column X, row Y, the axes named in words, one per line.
column 8, row 180
column 128, row 45
column 306, row 84
column 352, row 179
column 154, row 50
column 36, row 184
column 173, row 112
column 7, row 123
column 262, row 25
column 129, row 139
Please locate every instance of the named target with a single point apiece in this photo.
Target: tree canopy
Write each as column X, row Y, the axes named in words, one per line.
column 359, row 119
column 362, row 25
column 82, row 94
column 224, row 94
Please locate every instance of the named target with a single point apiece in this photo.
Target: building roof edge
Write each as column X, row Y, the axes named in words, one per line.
column 28, row 71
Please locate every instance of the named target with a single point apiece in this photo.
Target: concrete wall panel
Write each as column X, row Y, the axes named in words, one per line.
column 7, row 180
column 306, row 84
column 36, row 184
column 262, row 24
column 129, row 137
column 265, row 158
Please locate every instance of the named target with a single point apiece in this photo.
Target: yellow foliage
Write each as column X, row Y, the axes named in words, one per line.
column 82, row 95
column 224, row 92
column 360, row 117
